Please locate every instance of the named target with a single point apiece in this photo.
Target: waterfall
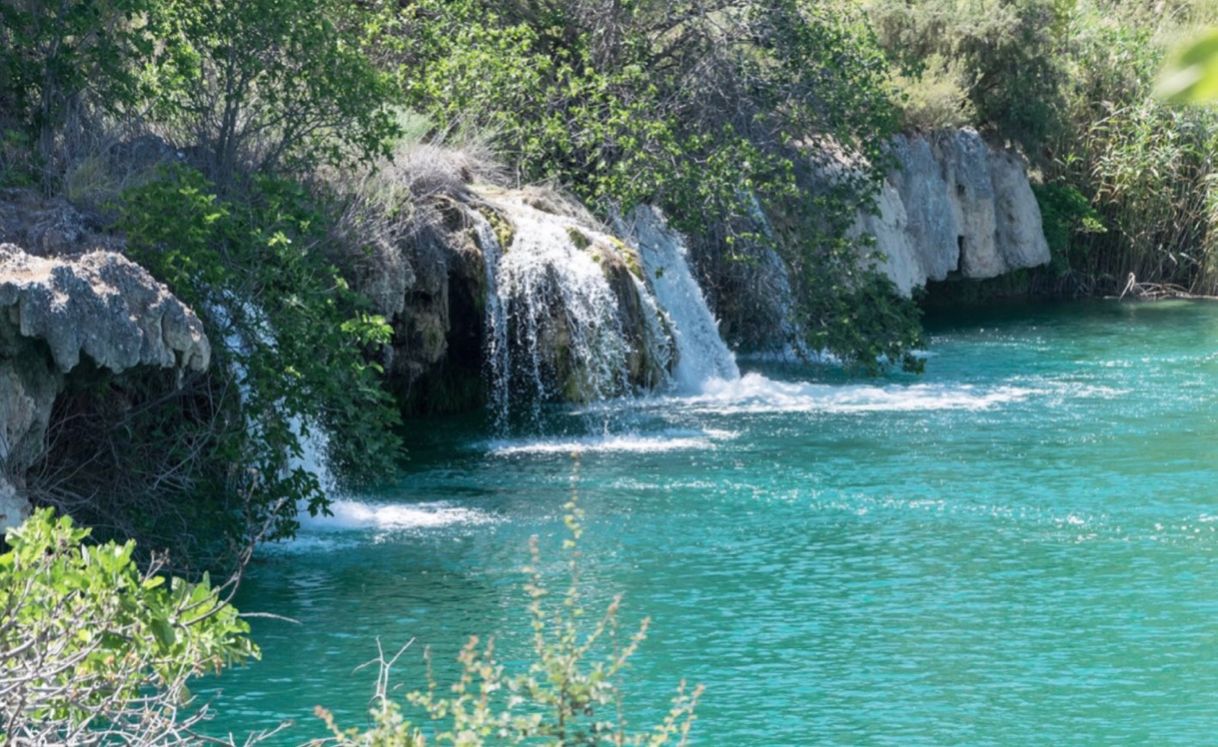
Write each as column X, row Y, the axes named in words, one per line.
column 498, row 356
column 702, row 356
column 552, row 321
column 574, row 314
column 313, row 439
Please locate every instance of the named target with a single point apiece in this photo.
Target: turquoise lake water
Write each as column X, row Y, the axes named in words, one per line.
column 1018, row 547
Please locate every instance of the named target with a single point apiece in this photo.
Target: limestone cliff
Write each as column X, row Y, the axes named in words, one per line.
column 54, row 312
column 955, row 204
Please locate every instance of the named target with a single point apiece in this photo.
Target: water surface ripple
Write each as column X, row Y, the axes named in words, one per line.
column 1016, row 548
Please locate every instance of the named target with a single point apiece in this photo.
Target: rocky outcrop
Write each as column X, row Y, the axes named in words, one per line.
column 435, row 362
column 955, row 205
column 517, row 296
column 577, row 317
column 101, row 305
column 56, row 312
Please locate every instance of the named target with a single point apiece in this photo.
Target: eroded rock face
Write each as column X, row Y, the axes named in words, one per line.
column 101, row 305
column 519, row 296
column 580, row 321
column 56, row 311
column 890, row 225
column 435, row 364
column 967, row 207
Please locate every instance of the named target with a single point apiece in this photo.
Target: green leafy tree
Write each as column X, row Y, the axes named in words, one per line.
column 270, row 84
column 54, row 51
column 95, row 651
column 704, row 108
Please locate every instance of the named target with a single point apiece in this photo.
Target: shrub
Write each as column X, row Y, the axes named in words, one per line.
column 269, row 84
column 1006, row 51
column 1065, row 212
column 935, row 98
column 95, row 651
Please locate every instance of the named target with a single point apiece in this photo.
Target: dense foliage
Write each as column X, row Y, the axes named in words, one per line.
column 264, row 85
column 53, row 53
column 1001, row 54
column 713, row 110
column 756, row 126
column 293, row 336
column 256, row 96
column 95, row 651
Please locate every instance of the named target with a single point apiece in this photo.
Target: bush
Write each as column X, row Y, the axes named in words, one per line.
column 205, row 466
column 570, row 694
column 95, row 651
column 935, row 98
column 1006, row 51
column 1065, row 212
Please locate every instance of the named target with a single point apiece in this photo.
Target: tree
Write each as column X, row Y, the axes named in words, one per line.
column 54, row 51
column 270, row 84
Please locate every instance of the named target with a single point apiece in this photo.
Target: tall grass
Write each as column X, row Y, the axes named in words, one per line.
column 1150, row 170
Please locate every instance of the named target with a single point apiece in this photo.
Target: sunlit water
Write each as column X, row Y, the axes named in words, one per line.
column 1017, row 547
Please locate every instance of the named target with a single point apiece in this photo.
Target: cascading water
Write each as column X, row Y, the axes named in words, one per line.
column 498, row 356
column 313, row 439
column 702, row 356
column 553, row 325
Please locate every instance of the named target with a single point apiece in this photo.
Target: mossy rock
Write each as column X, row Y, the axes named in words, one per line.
column 629, row 255
column 579, row 238
column 500, row 224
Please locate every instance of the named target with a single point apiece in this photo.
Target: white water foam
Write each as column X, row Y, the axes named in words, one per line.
column 629, row 443
column 351, row 514
column 548, row 289
column 754, row 393
column 701, row 353
column 496, row 344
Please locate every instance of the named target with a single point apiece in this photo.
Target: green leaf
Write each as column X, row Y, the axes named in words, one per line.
column 1191, row 75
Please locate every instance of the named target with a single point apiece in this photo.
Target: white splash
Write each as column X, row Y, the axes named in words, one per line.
column 628, row 443
column 350, row 514
column 754, row 393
